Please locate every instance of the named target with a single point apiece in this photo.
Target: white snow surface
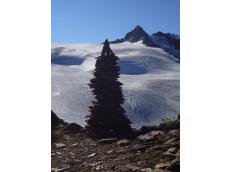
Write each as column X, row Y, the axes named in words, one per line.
column 150, row 80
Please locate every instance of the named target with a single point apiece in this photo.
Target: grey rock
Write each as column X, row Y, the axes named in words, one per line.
column 171, row 141
column 109, row 152
column 99, row 167
column 162, row 165
column 107, row 141
column 146, row 170
column 139, row 148
column 123, row 142
column 63, row 168
column 91, row 155
column 172, row 150
column 74, row 144
column 132, row 167
column 72, row 154
column 150, row 136
column 140, row 163
column 60, row 145
column 155, row 170
column 58, row 153
column 95, row 164
column 174, row 132
column 73, row 157
column 66, row 137
column 156, row 147
column 168, row 165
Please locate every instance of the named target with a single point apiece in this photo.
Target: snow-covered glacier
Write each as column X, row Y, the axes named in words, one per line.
column 150, row 77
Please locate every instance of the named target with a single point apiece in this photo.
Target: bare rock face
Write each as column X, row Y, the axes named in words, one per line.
column 56, row 124
column 55, row 121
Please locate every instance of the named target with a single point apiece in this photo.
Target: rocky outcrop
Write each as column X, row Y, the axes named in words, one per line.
column 72, row 128
column 55, row 121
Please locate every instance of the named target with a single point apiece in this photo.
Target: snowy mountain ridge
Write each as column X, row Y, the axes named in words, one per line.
column 167, row 41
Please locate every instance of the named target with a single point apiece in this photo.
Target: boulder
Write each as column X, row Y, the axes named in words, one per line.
column 131, row 167
column 123, row 142
column 150, row 136
column 171, row 151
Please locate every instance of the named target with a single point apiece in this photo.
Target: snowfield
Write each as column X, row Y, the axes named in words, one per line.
column 150, row 76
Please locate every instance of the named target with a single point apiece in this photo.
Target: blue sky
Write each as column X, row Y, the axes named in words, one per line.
column 91, row 21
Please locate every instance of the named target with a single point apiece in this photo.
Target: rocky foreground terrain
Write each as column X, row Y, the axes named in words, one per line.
column 154, row 149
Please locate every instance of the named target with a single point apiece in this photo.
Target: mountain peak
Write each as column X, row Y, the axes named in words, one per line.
column 137, row 34
column 158, row 33
column 138, row 28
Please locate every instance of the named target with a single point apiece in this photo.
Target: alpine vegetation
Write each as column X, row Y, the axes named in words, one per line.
column 107, row 117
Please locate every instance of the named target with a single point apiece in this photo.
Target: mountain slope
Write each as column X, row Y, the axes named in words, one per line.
column 167, row 41
column 150, row 78
column 137, row 34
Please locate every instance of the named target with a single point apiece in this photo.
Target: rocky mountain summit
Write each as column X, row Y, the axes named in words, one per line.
column 137, row 34
column 153, row 149
column 166, row 41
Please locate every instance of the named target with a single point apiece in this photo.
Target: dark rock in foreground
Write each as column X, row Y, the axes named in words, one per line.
column 158, row 153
